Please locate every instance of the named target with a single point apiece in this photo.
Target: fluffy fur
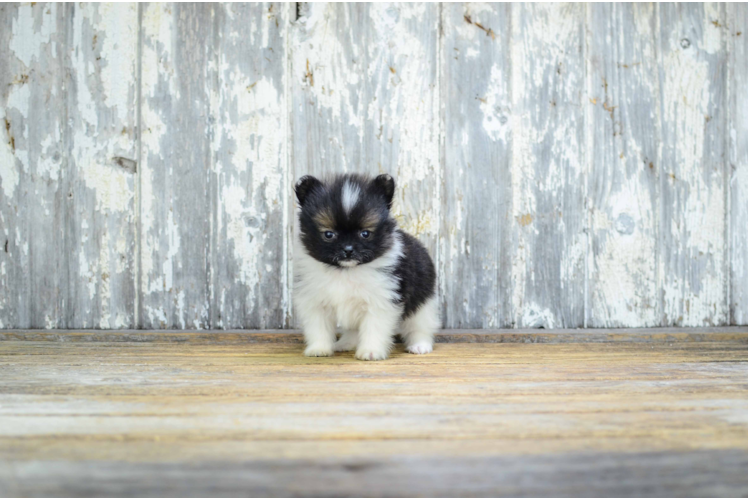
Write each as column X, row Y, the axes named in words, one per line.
column 355, row 270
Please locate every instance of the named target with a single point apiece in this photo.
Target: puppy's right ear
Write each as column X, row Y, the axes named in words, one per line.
column 304, row 187
column 385, row 185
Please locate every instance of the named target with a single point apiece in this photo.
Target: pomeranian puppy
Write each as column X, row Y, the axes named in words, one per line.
column 355, row 269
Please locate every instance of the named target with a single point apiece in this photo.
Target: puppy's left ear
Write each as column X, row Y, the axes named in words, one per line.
column 385, row 185
column 306, row 185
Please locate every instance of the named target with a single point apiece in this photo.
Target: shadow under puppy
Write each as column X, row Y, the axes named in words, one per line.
column 355, row 268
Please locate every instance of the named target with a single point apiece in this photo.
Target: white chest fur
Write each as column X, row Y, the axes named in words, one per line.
column 348, row 294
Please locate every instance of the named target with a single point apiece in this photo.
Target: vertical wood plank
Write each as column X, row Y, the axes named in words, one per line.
column 176, row 157
column 737, row 31
column 100, row 227
column 693, row 198
column 548, row 168
column 476, row 197
column 364, row 99
column 250, row 198
column 32, row 165
column 623, row 98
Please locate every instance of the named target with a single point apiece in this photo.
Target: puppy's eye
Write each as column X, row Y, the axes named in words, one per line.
column 329, row 235
column 365, row 234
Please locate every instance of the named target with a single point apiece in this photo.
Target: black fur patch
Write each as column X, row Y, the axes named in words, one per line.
column 323, row 215
column 416, row 273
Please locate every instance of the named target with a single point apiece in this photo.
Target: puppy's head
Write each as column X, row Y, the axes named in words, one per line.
column 346, row 222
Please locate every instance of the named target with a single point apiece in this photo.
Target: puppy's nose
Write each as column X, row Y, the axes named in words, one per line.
column 348, row 249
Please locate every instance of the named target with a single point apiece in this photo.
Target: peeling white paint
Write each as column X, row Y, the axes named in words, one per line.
column 14, row 157
column 31, row 30
column 534, row 316
column 119, row 29
column 496, row 122
column 622, row 262
column 245, row 253
column 739, row 184
column 402, row 64
column 712, row 37
column 18, row 99
column 737, row 14
column 259, row 125
column 9, row 174
column 625, row 264
column 547, row 163
column 102, row 121
column 157, row 34
column 334, row 80
column 112, row 187
column 694, row 286
column 49, row 163
column 174, row 240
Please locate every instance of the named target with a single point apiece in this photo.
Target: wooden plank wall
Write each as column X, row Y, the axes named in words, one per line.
column 567, row 165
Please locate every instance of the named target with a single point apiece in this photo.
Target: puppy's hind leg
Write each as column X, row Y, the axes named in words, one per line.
column 419, row 328
column 347, row 342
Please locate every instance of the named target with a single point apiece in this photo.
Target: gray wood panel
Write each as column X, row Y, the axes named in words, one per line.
column 477, row 191
column 548, row 166
column 566, row 165
column 248, row 189
column 737, row 172
column 100, row 177
column 692, row 66
column 365, row 99
column 33, row 140
column 175, row 209
column 623, row 109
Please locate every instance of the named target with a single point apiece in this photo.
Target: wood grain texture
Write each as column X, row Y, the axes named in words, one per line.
column 175, row 210
column 477, row 194
column 548, row 167
column 249, row 177
column 622, row 107
column 100, row 177
column 693, row 249
column 364, row 99
column 451, row 336
column 706, row 473
column 33, row 158
column 736, row 31
column 469, row 419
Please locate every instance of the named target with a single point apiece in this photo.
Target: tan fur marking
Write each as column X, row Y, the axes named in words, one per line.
column 370, row 221
column 325, row 220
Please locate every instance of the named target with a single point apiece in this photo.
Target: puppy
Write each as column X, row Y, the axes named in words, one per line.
column 355, row 269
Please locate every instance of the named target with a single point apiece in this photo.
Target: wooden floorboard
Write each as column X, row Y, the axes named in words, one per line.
column 485, row 336
column 471, row 419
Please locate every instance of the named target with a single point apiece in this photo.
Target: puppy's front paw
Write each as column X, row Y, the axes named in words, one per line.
column 421, row 348
column 317, row 351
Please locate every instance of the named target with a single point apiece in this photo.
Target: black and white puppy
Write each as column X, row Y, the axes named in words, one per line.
column 355, row 269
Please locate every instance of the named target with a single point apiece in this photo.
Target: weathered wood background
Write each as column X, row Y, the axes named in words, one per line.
column 567, row 165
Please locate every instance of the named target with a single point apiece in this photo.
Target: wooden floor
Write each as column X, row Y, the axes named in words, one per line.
column 81, row 418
